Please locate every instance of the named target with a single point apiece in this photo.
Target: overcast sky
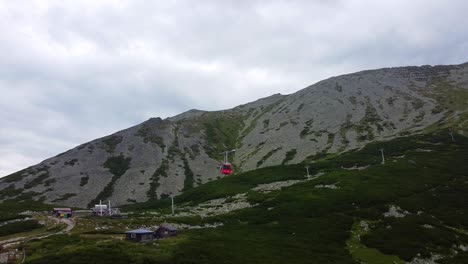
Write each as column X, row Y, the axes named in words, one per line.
column 73, row 71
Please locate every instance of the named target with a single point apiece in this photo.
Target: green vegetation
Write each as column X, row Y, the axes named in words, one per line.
column 266, row 123
column 84, row 180
column 12, row 194
column 299, row 108
column 307, row 129
column 407, row 236
column 195, row 150
column 448, row 96
column 364, row 127
column 419, row 117
column 267, row 156
column 338, row 87
column 37, row 180
column 330, row 139
column 450, row 99
column 117, row 166
column 302, row 223
column 64, row 197
column 20, row 175
column 299, row 217
column 18, row 227
column 253, row 153
column 71, row 162
column 110, row 143
column 95, row 250
column 228, row 186
column 222, row 132
column 254, row 121
column 390, row 100
column 154, row 184
column 417, row 103
column 10, row 191
column 289, row 156
column 10, row 209
column 188, row 182
column 90, row 149
column 17, row 176
column 49, row 182
column 150, row 135
column 7, row 216
column 347, row 125
column 364, row 254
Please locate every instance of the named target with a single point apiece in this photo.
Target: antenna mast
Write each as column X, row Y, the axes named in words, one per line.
column 383, row 157
column 172, row 202
column 100, row 207
column 451, row 135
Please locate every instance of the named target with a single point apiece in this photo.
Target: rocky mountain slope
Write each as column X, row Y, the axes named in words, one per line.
column 159, row 157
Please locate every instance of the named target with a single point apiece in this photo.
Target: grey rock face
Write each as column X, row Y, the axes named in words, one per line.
column 159, row 158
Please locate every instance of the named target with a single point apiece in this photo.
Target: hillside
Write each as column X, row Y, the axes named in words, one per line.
column 352, row 209
column 158, row 157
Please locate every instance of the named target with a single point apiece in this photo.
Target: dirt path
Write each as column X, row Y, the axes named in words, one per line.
column 70, row 225
column 16, row 240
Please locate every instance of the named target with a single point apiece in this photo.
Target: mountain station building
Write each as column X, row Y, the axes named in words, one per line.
column 62, row 212
column 139, row 235
column 165, row 231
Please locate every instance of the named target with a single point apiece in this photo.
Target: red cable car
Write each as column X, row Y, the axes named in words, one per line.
column 226, row 168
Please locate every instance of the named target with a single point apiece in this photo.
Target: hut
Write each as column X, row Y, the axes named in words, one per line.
column 63, row 212
column 165, row 231
column 139, row 235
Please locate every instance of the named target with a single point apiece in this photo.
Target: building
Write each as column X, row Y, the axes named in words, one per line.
column 165, row 231
column 139, row 235
column 63, row 212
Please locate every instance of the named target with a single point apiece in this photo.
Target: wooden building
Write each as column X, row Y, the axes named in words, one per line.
column 139, row 235
column 63, row 212
column 165, row 231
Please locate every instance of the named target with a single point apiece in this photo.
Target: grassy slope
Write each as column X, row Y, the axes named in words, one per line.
column 304, row 224
column 11, row 209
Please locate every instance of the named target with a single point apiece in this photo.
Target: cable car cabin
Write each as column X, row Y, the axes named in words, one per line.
column 226, row 169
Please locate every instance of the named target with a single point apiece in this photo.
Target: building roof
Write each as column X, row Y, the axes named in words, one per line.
column 139, row 231
column 62, row 209
column 170, row 228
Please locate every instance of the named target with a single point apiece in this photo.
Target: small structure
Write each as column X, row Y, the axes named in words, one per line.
column 226, row 168
column 139, row 235
column 104, row 210
column 63, row 212
column 165, row 231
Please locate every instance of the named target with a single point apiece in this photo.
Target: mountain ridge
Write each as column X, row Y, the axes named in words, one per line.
column 161, row 157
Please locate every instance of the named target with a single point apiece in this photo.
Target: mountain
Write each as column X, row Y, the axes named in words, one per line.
column 351, row 209
column 159, row 157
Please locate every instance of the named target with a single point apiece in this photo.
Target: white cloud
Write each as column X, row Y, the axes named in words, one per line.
column 72, row 71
